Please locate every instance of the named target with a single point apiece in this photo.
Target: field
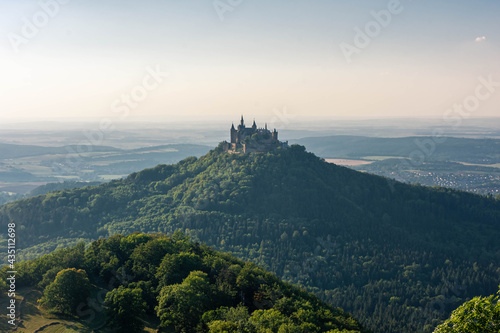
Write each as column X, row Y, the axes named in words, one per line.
column 23, row 168
column 341, row 161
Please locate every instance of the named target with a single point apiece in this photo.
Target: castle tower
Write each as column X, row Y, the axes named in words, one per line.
column 233, row 134
column 252, row 139
column 242, row 123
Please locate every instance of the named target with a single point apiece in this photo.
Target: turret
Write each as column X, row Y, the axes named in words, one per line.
column 233, row 134
column 265, row 139
column 242, row 124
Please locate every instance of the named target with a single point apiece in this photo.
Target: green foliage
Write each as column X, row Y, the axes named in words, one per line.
column 175, row 267
column 66, row 185
column 125, row 309
column 196, row 289
column 46, row 268
column 70, row 287
column 8, row 197
column 182, row 305
column 374, row 247
column 49, row 276
column 264, row 320
column 481, row 314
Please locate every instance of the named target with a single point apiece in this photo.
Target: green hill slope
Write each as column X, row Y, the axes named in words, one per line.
column 398, row 257
column 125, row 283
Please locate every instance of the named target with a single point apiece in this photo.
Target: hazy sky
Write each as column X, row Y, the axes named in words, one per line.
column 90, row 58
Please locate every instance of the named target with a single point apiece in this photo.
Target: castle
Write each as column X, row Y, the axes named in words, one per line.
column 252, row 139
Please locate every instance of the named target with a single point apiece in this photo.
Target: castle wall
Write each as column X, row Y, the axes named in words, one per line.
column 263, row 145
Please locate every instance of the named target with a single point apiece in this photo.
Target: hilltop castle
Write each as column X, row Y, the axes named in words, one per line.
column 252, row 139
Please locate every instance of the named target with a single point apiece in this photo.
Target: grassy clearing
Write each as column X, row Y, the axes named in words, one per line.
column 33, row 319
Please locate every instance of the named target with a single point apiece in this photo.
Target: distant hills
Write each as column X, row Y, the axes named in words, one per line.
column 9, row 151
column 43, row 189
column 25, row 167
column 483, row 151
column 67, row 185
column 462, row 163
column 399, row 257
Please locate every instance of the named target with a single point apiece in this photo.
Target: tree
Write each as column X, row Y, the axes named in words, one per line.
column 480, row 314
column 183, row 304
column 219, row 326
column 69, row 288
column 125, row 309
column 49, row 276
column 290, row 328
column 267, row 319
column 147, row 257
column 249, row 279
column 226, row 319
column 175, row 267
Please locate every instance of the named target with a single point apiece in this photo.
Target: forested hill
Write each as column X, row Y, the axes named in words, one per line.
column 399, row 257
column 169, row 284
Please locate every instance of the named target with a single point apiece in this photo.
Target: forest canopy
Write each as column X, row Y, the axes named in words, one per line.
column 187, row 286
column 399, row 257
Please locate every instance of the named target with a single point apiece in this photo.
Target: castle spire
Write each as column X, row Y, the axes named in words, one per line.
column 232, row 126
column 242, row 121
column 254, row 126
column 266, row 126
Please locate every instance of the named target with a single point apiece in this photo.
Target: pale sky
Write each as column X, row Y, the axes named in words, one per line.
column 84, row 56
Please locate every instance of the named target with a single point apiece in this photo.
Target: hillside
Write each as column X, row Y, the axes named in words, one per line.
column 126, row 283
column 481, row 314
column 398, row 257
